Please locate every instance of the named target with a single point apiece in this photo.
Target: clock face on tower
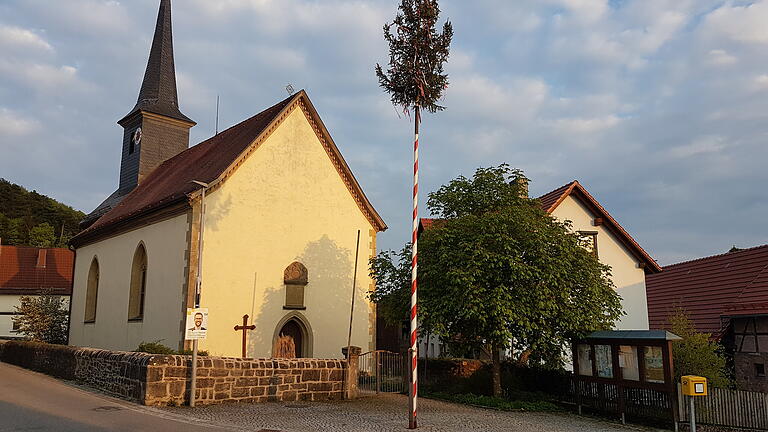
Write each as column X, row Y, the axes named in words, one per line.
column 137, row 136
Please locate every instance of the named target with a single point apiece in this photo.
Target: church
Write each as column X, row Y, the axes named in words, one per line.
column 281, row 214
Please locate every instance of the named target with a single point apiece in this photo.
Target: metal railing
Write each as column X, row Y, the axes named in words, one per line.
column 381, row 372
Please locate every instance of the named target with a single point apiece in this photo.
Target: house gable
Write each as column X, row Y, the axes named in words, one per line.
column 285, row 202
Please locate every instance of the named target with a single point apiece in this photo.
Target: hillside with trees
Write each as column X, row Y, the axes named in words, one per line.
column 32, row 219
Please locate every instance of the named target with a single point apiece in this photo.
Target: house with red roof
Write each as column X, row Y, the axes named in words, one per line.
column 261, row 220
column 613, row 245
column 725, row 295
column 30, row 271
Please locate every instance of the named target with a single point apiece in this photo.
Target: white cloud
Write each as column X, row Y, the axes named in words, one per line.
column 39, row 75
column 20, row 38
column 581, row 125
column 702, row 145
column 13, row 124
column 743, row 23
column 721, row 57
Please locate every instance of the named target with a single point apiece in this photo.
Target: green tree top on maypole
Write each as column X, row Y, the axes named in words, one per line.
column 415, row 76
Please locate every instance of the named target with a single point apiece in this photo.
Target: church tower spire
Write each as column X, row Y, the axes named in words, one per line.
column 155, row 130
column 158, row 90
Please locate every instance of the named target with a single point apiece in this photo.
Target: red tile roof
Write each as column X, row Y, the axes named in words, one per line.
column 551, row 200
column 28, row 270
column 171, row 182
column 710, row 288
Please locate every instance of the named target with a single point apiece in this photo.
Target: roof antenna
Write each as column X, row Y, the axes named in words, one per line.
column 289, row 89
column 217, row 115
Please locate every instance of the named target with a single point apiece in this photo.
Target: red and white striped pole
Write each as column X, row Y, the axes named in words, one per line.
column 413, row 352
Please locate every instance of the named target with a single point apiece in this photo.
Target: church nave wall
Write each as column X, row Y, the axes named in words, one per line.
column 165, row 243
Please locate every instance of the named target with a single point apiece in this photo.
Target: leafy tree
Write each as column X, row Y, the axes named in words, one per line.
column 42, row 318
column 392, row 272
column 42, row 236
column 499, row 270
column 696, row 353
column 21, row 211
column 415, row 79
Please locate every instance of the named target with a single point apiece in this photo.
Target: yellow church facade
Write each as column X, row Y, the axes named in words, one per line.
column 282, row 212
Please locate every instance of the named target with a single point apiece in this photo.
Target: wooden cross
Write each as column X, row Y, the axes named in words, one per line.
column 244, row 327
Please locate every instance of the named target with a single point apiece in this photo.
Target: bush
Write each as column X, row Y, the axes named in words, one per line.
column 43, row 318
column 697, row 353
column 154, row 348
column 157, row 348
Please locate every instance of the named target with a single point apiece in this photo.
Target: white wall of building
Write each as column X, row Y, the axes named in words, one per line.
column 285, row 203
column 628, row 277
column 166, row 244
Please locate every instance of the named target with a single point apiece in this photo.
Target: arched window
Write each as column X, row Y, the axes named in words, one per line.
column 138, row 284
column 92, row 291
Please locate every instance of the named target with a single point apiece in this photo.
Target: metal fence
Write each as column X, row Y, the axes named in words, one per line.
column 732, row 408
column 381, row 372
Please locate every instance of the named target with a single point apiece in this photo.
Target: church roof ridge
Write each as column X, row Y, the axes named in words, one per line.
column 158, row 93
column 171, row 182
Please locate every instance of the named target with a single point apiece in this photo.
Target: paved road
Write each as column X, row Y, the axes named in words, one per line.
column 389, row 413
column 30, row 401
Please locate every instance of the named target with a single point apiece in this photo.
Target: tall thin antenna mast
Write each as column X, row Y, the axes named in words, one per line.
column 217, row 115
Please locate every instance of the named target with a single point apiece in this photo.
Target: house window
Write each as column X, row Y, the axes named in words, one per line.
column 760, row 369
column 589, row 240
column 91, row 292
column 15, row 325
column 295, row 278
column 138, row 285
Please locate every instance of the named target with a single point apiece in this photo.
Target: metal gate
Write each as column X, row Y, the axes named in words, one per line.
column 381, row 372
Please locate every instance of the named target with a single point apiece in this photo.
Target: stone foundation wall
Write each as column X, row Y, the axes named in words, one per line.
column 244, row 380
column 152, row 379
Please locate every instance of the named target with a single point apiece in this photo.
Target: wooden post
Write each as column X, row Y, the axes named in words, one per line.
column 245, row 327
column 618, row 378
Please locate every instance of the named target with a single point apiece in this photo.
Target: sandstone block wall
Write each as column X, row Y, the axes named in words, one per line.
column 152, row 379
column 244, row 380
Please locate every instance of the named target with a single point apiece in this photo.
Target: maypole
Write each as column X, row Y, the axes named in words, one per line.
column 413, row 352
column 415, row 81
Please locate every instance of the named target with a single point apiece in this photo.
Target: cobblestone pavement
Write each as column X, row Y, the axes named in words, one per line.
column 387, row 413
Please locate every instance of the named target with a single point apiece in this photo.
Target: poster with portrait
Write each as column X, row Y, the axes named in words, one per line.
column 196, row 324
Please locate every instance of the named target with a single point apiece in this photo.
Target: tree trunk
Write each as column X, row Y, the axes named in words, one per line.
column 496, row 361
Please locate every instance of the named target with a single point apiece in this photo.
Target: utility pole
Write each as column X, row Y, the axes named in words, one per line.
column 198, row 286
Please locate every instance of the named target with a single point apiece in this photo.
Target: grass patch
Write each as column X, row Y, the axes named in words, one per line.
column 496, row 403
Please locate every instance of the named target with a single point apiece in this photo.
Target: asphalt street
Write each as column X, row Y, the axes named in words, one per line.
column 30, row 401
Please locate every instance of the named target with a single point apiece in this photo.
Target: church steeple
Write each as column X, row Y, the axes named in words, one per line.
column 155, row 130
column 158, row 93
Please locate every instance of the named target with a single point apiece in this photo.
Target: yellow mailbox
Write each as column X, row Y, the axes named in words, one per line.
column 694, row 385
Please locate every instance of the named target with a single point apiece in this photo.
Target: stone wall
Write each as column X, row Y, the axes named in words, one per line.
column 244, row 380
column 152, row 379
column 746, row 371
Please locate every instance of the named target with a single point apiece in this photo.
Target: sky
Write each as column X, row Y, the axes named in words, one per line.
column 658, row 107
